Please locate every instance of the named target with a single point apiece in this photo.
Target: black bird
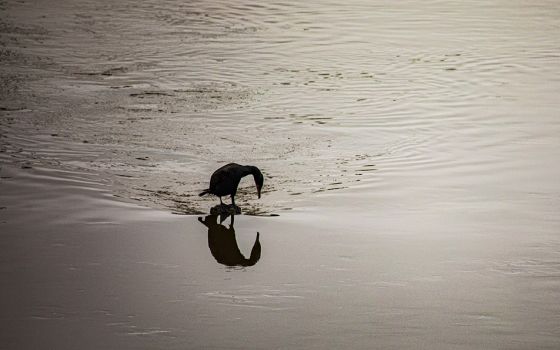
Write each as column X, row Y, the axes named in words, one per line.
column 225, row 180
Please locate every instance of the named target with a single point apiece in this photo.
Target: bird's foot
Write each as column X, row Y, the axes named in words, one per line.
column 225, row 209
column 234, row 209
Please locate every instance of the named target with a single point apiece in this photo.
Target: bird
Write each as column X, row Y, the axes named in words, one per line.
column 225, row 180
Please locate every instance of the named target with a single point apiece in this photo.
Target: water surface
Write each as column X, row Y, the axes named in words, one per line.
column 411, row 149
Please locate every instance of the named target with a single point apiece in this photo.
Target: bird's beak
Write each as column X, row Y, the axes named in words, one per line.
column 259, row 192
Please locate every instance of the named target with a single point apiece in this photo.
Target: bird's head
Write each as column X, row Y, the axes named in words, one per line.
column 259, row 181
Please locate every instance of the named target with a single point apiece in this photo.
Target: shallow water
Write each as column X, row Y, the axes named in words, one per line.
column 455, row 101
column 97, row 273
column 422, row 139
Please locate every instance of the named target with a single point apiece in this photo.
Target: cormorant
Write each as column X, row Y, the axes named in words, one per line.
column 225, row 180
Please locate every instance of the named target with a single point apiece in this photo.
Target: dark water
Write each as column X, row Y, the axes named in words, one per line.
column 81, row 270
column 412, row 150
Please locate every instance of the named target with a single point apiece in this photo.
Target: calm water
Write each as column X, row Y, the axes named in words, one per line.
column 418, row 142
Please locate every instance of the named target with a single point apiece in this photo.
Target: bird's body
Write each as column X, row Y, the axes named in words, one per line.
column 225, row 180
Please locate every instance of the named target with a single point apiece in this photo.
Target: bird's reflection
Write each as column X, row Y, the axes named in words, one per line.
column 223, row 245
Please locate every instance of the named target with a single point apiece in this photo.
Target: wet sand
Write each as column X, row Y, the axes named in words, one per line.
column 411, row 153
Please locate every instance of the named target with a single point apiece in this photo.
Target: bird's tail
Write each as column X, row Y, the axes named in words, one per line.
column 203, row 193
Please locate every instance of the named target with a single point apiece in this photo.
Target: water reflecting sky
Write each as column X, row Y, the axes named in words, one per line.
column 410, row 148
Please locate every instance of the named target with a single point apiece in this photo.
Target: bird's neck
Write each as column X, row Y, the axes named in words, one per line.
column 249, row 170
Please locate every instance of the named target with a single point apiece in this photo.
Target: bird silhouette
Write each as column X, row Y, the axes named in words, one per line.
column 225, row 180
column 223, row 244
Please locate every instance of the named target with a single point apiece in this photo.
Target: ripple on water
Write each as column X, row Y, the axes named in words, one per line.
column 163, row 93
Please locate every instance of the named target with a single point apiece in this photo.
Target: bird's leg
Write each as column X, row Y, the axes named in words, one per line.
column 221, row 203
column 235, row 207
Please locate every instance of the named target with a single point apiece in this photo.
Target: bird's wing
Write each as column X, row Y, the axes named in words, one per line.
column 217, row 178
